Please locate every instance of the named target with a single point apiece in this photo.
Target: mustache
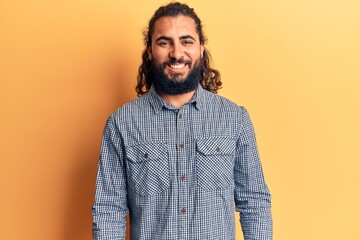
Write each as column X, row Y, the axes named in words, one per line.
column 174, row 61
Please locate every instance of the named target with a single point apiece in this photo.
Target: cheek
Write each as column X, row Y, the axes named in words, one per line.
column 160, row 53
column 194, row 54
column 196, row 57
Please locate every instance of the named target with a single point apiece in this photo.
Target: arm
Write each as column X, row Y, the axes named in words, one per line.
column 252, row 196
column 110, row 206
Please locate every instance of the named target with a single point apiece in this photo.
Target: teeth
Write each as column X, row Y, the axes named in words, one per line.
column 177, row 66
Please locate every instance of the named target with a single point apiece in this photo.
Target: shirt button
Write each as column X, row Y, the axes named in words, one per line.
column 183, row 210
column 146, row 155
column 218, row 149
column 180, row 116
column 183, row 178
column 181, row 145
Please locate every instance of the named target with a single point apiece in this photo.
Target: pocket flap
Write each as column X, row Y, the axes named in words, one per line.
column 147, row 151
column 216, row 145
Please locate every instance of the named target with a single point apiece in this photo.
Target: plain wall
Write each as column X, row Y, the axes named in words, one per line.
column 66, row 65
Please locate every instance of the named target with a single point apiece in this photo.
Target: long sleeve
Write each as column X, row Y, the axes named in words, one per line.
column 110, row 207
column 252, row 196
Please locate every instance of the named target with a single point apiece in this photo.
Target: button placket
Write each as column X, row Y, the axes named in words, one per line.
column 181, row 167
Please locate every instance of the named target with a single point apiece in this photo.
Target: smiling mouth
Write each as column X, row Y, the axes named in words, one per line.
column 177, row 65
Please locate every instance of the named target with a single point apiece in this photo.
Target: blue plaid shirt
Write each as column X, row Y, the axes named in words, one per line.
column 180, row 173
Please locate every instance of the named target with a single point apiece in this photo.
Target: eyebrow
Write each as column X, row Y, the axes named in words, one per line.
column 170, row 39
column 187, row 36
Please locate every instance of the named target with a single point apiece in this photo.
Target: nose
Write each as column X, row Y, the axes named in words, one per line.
column 176, row 51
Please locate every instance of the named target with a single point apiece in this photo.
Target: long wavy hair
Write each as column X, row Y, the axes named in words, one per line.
column 211, row 79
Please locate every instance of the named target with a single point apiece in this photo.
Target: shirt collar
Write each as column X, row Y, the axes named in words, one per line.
column 158, row 103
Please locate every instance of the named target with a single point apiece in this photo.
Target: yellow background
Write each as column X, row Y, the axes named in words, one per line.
column 66, row 65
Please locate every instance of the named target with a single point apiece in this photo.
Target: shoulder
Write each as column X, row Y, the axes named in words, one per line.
column 132, row 108
column 215, row 101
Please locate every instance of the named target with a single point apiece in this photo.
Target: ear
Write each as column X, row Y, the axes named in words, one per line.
column 202, row 47
column 149, row 52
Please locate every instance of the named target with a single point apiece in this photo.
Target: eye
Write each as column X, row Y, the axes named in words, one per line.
column 188, row 42
column 163, row 44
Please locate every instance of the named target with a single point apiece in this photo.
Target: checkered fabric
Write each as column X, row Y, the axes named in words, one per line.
column 180, row 173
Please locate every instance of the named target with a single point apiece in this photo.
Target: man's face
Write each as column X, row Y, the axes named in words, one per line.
column 176, row 47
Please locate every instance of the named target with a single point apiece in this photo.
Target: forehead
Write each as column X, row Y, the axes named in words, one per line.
column 175, row 27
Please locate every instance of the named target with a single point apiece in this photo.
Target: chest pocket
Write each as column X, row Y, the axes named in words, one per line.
column 148, row 167
column 214, row 163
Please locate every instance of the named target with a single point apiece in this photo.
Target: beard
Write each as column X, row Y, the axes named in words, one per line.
column 175, row 85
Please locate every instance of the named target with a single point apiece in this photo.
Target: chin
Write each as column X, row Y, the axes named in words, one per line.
column 177, row 77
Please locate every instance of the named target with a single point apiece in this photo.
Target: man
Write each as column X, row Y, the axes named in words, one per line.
column 178, row 157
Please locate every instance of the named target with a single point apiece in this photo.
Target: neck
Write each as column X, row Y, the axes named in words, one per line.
column 177, row 100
